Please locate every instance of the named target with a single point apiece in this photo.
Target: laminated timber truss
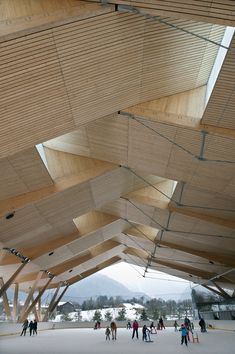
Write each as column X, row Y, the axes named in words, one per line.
column 139, row 158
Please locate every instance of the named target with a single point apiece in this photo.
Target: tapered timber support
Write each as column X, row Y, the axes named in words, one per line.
column 34, row 310
column 224, row 294
column 12, row 278
column 48, row 311
column 5, row 302
column 29, row 309
column 31, row 292
column 213, row 290
column 58, row 300
column 39, row 309
column 15, row 303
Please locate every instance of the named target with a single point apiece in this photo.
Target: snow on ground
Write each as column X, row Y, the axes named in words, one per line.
column 131, row 313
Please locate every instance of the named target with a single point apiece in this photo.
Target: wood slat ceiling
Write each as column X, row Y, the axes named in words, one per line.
column 213, row 11
column 220, row 109
column 122, row 98
column 114, row 60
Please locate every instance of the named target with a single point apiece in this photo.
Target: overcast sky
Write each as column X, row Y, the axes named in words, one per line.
column 132, row 277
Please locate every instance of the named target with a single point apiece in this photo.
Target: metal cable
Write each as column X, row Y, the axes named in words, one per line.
column 135, row 227
column 175, row 231
column 198, row 157
column 172, row 199
column 161, row 226
column 144, row 249
column 132, row 9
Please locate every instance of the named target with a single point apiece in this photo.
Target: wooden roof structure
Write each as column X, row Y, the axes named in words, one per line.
column 140, row 155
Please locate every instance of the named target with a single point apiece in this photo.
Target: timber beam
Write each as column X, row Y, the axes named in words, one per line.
column 210, row 256
column 10, row 281
column 26, row 312
column 60, row 185
column 224, row 294
column 213, row 290
column 5, row 302
column 52, row 302
column 74, row 262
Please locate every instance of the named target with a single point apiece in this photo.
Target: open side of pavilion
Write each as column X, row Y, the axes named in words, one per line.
column 88, row 341
column 133, row 108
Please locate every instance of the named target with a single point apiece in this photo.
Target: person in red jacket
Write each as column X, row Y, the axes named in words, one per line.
column 135, row 327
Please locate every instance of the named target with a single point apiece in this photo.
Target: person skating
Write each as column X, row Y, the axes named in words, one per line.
column 184, row 333
column 25, row 326
column 30, row 328
column 107, row 333
column 135, row 327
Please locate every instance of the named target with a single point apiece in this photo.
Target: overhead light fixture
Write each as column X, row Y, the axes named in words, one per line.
column 16, row 253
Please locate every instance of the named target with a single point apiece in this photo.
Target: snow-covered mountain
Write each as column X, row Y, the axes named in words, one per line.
column 97, row 285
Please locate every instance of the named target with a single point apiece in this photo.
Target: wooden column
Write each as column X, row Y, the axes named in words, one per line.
column 24, row 315
column 15, row 303
column 31, row 292
column 5, row 302
column 223, row 293
column 213, row 290
column 12, row 278
column 39, row 310
column 59, row 298
column 34, row 310
column 48, row 311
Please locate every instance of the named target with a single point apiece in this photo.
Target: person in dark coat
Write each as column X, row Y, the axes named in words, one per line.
column 25, row 326
column 202, row 324
column 30, row 328
column 135, row 327
column 35, row 327
column 113, row 327
column 146, row 334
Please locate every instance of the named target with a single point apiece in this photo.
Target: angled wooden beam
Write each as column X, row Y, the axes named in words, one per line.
column 60, row 185
column 75, row 261
column 88, row 224
column 34, row 310
column 58, row 300
column 97, row 268
column 210, row 256
column 31, row 291
column 90, row 271
column 38, row 311
column 213, row 290
column 225, row 295
column 210, row 218
column 12, row 278
column 188, row 108
column 48, row 310
column 25, row 314
column 186, row 269
column 5, row 302
column 209, row 11
column 15, row 302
